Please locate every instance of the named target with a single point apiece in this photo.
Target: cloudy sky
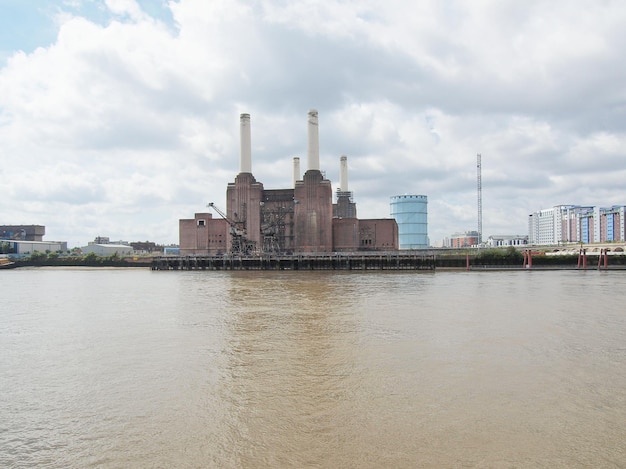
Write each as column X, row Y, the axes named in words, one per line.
column 119, row 117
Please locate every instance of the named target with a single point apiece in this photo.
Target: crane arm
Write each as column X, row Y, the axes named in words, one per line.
column 221, row 214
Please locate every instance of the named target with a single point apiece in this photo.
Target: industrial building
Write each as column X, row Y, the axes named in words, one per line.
column 108, row 249
column 22, row 232
column 29, row 247
column 27, row 239
column 299, row 219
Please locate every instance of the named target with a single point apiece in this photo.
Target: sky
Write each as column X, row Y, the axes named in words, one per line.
column 120, row 117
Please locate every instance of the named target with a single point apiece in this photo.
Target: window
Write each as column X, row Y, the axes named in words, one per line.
column 201, row 223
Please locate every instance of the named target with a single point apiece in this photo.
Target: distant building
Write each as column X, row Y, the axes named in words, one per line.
column 507, row 240
column 107, row 240
column 108, row 249
column 29, row 247
column 22, row 232
column 464, row 240
column 145, row 247
column 612, row 223
column 577, row 224
column 171, row 250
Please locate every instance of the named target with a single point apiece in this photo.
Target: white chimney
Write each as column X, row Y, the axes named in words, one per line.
column 314, row 141
column 296, row 170
column 245, row 158
column 343, row 171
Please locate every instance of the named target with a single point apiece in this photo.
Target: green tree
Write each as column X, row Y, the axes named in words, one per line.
column 38, row 258
column 92, row 258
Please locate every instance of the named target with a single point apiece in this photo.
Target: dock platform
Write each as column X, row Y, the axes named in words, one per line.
column 334, row 261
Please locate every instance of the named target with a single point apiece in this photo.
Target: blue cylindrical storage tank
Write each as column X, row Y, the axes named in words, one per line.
column 411, row 214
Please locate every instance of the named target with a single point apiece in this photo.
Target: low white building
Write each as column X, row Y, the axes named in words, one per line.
column 28, row 247
column 108, row 249
column 507, row 240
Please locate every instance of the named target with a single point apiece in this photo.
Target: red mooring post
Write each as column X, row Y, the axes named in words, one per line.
column 600, row 258
column 584, row 258
column 530, row 259
column 606, row 258
column 467, row 264
column 524, row 263
column 580, row 256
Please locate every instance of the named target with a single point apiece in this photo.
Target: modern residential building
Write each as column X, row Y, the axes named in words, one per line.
column 577, row 224
column 464, row 240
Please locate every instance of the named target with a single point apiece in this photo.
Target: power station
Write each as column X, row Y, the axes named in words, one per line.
column 299, row 219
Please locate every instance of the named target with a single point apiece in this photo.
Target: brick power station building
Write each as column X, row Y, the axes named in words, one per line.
column 300, row 219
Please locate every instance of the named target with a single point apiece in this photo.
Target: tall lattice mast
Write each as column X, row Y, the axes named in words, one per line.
column 480, row 199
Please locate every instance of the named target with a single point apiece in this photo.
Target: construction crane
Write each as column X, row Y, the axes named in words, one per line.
column 240, row 243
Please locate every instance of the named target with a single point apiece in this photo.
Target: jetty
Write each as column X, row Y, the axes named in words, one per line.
column 396, row 260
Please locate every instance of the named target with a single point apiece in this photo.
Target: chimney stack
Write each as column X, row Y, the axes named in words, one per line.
column 343, row 171
column 245, row 158
column 314, row 141
column 296, row 170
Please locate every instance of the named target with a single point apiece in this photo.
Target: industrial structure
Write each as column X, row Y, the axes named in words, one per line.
column 27, row 239
column 299, row 219
column 577, row 224
column 411, row 214
column 22, row 232
column 479, row 191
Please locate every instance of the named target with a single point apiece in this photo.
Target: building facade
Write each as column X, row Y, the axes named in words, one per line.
column 29, row 247
column 22, row 232
column 507, row 240
column 465, row 239
column 577, row 224
column 301, row 219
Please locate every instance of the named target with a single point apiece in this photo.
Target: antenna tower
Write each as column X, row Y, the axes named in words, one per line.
column 479, row 187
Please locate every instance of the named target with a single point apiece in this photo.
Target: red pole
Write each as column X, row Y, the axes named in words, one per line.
column 600, row 258
column 584, row 258
column 467, row 265
column 580, row 256
column 530, row 259
column 606, row 258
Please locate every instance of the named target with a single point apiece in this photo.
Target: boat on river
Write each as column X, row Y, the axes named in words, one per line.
column 7, row 264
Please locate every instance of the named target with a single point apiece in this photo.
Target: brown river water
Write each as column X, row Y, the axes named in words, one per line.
column 130, row 368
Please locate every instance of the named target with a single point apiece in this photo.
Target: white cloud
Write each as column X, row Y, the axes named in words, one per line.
column 128, row 8
column 123, row 126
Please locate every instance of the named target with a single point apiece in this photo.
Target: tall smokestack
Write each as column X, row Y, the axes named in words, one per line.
column 296, row 170
column 245, row 158
column 314, row 141
column 343, row 171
